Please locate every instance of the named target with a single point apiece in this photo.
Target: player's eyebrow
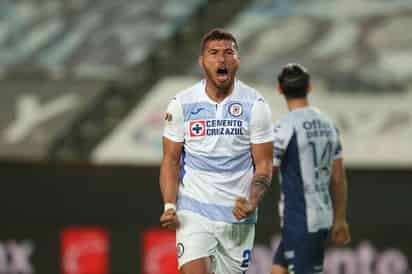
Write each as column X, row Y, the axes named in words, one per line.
column 216, row 49
column 213, row 50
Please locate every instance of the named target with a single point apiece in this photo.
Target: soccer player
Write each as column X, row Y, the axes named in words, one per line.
column 217, row 163
column 308, row 156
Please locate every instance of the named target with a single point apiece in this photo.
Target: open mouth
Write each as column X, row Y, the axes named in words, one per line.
column 222, row 74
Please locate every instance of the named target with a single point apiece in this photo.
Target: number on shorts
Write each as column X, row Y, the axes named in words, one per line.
column 246, row 258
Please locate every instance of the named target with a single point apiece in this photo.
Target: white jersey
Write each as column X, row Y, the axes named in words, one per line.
column 305, row 145
column 217, row 165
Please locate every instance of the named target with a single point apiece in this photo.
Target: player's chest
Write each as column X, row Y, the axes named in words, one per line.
column 206, row 120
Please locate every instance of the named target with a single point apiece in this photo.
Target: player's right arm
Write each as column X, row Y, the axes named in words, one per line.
column 340, row 234
column 169, row 181
column 173, row 137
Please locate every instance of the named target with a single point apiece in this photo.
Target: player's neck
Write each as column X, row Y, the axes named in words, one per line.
column 296, row 103
column 218, row 94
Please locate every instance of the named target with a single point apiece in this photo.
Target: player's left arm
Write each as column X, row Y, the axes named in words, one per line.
column 173, row 138
column 262, row 153
column 340, row 233
column 262, row 156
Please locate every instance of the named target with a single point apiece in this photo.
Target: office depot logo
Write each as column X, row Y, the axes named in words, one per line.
column 84, row 251
column 159, row 252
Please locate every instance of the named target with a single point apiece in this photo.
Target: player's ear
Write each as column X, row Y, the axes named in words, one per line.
column 200, row 61
column 237, row 55
column 280, row 90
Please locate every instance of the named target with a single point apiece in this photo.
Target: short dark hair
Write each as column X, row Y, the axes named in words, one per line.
column 217, row 34
column 294, row 81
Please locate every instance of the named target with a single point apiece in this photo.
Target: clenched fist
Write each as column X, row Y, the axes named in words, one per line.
column 242, row 208
column 169, row 219
column 340, row 234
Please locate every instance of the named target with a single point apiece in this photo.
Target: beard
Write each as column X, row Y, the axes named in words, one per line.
column 222, row 86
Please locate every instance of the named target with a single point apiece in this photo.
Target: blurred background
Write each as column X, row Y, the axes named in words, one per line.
column 83, row 88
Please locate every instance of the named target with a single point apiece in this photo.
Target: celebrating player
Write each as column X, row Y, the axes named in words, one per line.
column 217, row 163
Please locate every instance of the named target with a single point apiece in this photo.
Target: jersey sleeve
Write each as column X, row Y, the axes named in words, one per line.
column 261, row 123
column 282, row 135
column 174, row 122
column 338, row 153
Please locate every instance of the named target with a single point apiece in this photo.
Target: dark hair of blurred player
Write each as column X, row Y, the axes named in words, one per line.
column 294, row 81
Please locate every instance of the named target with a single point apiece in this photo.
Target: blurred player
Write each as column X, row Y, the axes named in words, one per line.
column 219, row 135
column 308, row 155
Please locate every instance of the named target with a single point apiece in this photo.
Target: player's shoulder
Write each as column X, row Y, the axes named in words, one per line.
column 190, row 93
column 282, row 132
column 307, row 113
column 246, row 92
column 283, row 126
column 323, row 116
column 325, row 119
column 286, row 121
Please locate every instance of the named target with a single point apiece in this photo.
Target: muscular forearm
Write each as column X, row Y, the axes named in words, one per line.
column 243, row 207
column 339, row 197
column 340, row 234
column 262, row 154
column 169, row 180
column 260, row 185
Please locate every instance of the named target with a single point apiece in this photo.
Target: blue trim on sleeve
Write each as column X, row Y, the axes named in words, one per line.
column 182, row 167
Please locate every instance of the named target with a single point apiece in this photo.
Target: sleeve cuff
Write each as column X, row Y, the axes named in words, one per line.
column 173, row 138
column 265, row 139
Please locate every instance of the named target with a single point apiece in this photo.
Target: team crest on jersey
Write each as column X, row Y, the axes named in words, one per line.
column 235, row 109
column 197, row 128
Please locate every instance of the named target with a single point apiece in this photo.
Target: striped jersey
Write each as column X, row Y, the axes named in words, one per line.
column 217, row 165
column 305, row 145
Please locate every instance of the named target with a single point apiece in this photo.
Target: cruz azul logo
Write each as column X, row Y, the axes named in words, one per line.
column 197, row 128
column 235, row 109
column 215, row 127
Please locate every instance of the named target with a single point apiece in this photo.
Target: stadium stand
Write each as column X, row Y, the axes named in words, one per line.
column 353, row 46
column 83, row 87
column 85, row 38
column 356, row 47
column 33, row 113
column 170, row 56
column 125, row 47
column 369, row 125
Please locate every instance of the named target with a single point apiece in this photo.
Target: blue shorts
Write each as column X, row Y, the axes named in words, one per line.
column 301, row 252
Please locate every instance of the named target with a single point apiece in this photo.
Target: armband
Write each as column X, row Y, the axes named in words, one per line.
column 169, row 206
